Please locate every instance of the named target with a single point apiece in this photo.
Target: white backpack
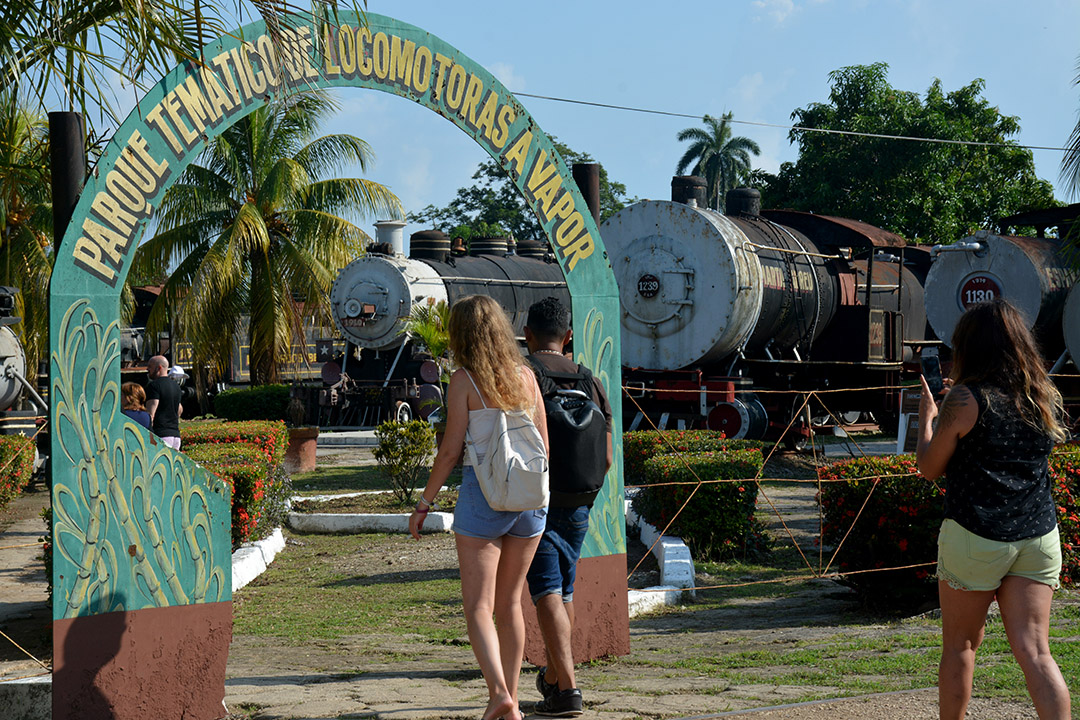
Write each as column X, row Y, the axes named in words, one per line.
column 514, row 472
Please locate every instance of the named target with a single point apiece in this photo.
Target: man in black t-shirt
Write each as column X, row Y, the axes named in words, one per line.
column 553, row 570
column 163, row 402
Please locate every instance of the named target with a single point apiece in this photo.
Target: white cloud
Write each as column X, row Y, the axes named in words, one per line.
column 506, row 75
column 777, row 10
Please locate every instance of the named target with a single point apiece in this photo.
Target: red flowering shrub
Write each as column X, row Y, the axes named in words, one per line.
column 640, row 445
column 244, row 469
column 16, row 466
column 898, row 526
column 270, row 436
column 1065, row 475
column 900, row 523
column 718, row 523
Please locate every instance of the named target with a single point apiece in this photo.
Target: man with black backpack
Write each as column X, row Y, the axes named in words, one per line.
column 579, row 430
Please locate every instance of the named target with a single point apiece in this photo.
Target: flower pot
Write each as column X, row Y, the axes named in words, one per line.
column 300, row 455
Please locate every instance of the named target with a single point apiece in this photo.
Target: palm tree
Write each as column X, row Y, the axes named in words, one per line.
column 1070, row 164
column 723, row 160
column 26, row 222
column 256, row 230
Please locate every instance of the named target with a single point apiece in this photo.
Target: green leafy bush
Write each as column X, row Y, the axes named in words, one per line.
column 640, row 445
column 897, row 527
column 1065, row 472
column 16, row 466
column 718, row 523
column 259, row 402
column 271, row 437
column 405, row 452
column 900, row 523
column 47, row 550
column 246, row 472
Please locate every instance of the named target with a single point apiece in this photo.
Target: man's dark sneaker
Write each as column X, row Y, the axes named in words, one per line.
column 545, row 688
column 563, row 703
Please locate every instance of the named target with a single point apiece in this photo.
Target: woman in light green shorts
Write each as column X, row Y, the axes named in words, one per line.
column 992, row 441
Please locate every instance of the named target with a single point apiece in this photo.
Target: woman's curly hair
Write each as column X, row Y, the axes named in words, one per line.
column 482, row 342
column 992, row 344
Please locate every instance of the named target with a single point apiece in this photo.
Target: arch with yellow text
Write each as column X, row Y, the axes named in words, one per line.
column 139, row 527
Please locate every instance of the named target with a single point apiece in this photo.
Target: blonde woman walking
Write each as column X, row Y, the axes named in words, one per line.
column 995, row 430
column 494, row 548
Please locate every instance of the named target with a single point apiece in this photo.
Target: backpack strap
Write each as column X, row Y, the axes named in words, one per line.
column 543, row 377
column 480, row 394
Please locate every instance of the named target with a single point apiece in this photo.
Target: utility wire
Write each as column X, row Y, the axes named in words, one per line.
column 799, row 128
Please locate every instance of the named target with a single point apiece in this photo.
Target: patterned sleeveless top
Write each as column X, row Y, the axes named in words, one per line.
column 998, row 479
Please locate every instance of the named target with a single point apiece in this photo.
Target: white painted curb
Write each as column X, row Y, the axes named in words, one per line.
column 250, row 560
column 365, row 522
column 676, row 568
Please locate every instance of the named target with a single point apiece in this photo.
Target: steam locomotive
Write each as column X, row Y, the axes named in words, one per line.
column 382, row 374
column 726, row 319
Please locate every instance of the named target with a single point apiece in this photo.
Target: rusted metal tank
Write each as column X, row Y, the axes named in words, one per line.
column 1029, row 272
column 690, row 284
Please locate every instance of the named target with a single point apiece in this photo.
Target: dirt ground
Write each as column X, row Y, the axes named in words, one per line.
column 408, row 678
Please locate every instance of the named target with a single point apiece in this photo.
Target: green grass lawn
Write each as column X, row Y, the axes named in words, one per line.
column 325, row 588
column 345, row 478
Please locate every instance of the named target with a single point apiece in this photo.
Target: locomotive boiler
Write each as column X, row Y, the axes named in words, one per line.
column 382, row 374
column 726, row 319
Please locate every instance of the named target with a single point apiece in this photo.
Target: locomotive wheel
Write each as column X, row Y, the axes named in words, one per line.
column 402, row 412
column 796, row 442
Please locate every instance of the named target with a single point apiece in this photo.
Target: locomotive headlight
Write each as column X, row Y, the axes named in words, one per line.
column 353, row 307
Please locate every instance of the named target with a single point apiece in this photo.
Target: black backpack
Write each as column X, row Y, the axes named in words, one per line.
column 577, row 432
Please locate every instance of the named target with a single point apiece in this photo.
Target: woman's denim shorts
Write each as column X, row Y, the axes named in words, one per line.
column 475, row 518
column 971, row 562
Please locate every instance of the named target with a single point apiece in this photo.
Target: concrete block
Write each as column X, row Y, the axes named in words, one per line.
column 27, row 698
column 247, row 564
column 351, row 523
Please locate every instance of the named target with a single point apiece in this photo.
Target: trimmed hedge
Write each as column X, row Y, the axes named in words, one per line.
column 259, row 402
column 900, row 523
column 718, row 523
column 899, row 526
column 1065, row 471
column 248, row 457
column 16, row 466
column 640, row 445
column 270, row 436
column 244, row 469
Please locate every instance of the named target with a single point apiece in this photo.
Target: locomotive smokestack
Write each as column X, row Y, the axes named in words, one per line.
column 587, row 177
column 744, row 201
column 393, row 232
column 689, row 190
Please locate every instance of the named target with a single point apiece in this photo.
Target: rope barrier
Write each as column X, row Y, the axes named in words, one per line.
column 791, row 578
column 24, row 545
column 821, row 572
column 25, row 651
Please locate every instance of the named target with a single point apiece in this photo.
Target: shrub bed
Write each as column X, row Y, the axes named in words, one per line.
column 16, row 466
column 718, row 523
column 899, row 525
column 269, row 436
column 640, row 445
column 247, row 456
column 244, row 469
column 260, row 402
column 1065, row 471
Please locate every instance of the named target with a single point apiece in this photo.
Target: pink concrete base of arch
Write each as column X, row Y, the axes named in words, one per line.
column 154, row 663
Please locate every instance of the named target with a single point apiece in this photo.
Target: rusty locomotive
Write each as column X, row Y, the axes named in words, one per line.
column 728, row 320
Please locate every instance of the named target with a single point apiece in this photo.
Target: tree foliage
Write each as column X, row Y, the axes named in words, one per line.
column 723, row 160
column 495, row 200
column 927, row 192
column 26, row 222
column 257, row 228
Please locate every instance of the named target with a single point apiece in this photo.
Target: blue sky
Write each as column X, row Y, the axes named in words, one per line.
column 759, row 59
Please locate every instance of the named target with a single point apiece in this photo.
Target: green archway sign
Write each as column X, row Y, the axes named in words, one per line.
column 142, row 569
